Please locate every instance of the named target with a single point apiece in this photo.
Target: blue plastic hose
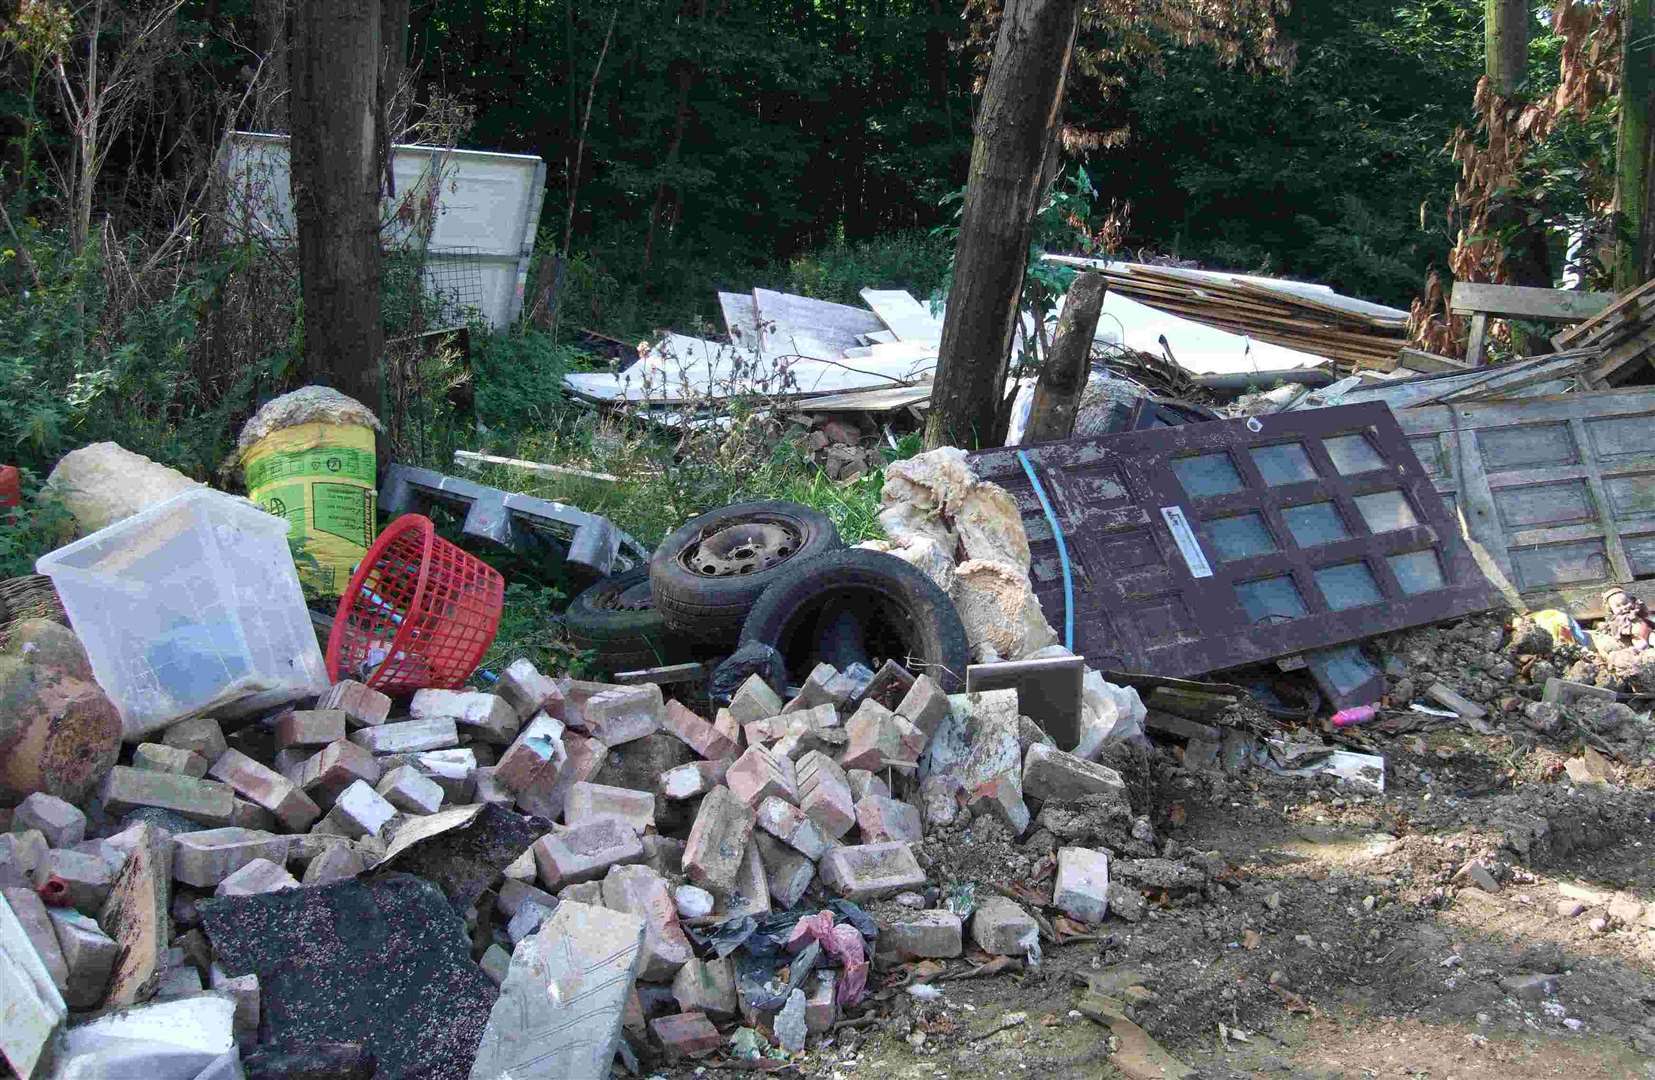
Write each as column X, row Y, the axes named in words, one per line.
column 1062, row 551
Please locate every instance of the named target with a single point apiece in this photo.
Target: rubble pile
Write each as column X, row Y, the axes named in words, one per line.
column 323, row 875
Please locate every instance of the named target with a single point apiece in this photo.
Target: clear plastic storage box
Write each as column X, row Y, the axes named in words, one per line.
column 189, row 607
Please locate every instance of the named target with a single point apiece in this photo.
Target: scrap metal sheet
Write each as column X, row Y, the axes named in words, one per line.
column 1206, row 546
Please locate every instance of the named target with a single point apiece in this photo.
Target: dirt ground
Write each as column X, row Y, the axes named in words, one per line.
column 1334, row 940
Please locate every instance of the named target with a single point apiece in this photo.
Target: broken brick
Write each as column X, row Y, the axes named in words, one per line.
column 362, row 705
column 824, row 793
column 718, row 840
column 588, row 802
column 527, row 691
column 789, row 824
column 339, row 765
column 697, row 734
column 620, row 714
column 485, row 716
column 693, row 779
column 586, row 852
column 882, row 819
column 870, row 871
column 267, row 788
column 759, row 774
column 159, row 757
column 303, row 729
column 687, row 1035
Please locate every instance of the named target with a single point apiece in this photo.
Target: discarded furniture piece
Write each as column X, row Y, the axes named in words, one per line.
column 1558, row 492
column 1625, row 331
column 1483, row 302
column 482, row 209
column 190, row 606
column 1532, row 376
column 418, row 614
column 521, row 523
column 1202, row 547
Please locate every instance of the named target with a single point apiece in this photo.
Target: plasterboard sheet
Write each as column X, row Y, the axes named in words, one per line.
column 1198, row 348
column 802, row 326
column 680, row 369
column 1207, row 546
column 741, row 318
column 1559, row 493
column 909, row 319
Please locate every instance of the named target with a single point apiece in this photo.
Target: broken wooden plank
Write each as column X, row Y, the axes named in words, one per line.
column 1524, row 302
column 477, row 461
column 1628, row 304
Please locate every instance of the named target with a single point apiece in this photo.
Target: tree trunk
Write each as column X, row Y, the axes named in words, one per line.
column 1021, row 106
column 1505, row 44
column 1063, row 376
column 1632, row 148
column 335, row 188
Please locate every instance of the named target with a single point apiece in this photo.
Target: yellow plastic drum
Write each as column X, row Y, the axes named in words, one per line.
column 320, row 477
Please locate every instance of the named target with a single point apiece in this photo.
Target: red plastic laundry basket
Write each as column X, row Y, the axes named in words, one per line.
column 419, row 613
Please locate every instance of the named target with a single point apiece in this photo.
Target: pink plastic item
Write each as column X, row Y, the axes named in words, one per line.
column 1360, row 714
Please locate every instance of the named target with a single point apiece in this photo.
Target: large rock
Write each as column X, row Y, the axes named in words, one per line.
column 385, row 963
column 58, row 733
column 103, row 483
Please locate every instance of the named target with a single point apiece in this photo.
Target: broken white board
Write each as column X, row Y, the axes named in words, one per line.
column 741, row 319
column 802, row 326
column 482, row 210
column 1196, row 347
column 909, row 319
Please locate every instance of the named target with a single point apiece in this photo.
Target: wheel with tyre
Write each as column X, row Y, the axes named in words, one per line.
column 617, row 620
column 896, row 611
column 710, row 572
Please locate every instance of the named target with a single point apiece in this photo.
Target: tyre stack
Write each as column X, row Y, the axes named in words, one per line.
column 773, row 573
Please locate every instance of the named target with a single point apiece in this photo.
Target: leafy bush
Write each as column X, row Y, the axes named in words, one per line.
column 916, row 261
column 519, row 379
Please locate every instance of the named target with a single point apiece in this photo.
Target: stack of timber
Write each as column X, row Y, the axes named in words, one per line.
column 1291, row 314
column 1625, row 331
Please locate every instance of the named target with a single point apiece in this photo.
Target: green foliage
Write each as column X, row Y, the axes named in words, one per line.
column 40, row 524
column 915, row 260
column 529, row 627
column 1335, row 174
column 519, row 378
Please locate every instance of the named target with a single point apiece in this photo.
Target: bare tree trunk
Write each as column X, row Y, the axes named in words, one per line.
column 1021, row 106
column 1505, row 44
column 271, row 42
column 1633, row 146
column 335, row 181
column 86, row 140
column 1063, row 375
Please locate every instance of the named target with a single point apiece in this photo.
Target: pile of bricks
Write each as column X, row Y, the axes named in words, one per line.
column 650, row 809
